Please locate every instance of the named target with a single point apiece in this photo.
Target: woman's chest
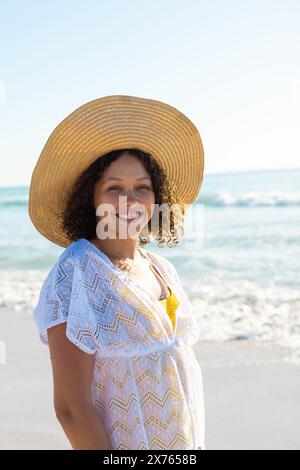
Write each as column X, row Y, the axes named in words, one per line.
column 147, row 279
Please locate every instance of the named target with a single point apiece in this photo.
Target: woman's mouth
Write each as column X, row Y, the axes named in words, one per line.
column 128, row 217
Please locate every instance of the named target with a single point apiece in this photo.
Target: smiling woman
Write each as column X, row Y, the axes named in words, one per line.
column 118, row 323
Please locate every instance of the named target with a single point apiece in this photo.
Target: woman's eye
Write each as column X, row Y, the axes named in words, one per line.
column 115, row 188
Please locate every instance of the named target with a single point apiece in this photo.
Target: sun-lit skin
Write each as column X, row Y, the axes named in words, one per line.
column 126, row 177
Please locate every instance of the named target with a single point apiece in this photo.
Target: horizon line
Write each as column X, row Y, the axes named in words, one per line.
column 213, row 173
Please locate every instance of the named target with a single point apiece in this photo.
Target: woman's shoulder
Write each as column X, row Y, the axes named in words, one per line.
column 65, row 265
column 73, row 254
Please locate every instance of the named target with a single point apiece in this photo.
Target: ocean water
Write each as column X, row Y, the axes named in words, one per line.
column 239, row 261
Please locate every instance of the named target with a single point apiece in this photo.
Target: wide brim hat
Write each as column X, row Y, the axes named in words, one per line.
column 100, row 126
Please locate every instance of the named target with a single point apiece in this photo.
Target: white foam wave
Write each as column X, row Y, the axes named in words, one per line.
column 254, row 198
column 225, row 310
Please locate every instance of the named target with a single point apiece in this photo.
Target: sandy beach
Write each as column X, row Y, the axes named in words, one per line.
column 251, row 392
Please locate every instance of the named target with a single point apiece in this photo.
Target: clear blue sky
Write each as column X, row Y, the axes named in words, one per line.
column 233, row 67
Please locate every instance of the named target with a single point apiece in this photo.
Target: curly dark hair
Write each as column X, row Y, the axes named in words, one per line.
column 78, row 218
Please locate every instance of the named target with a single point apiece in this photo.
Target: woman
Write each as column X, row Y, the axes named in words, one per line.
column 115, row 316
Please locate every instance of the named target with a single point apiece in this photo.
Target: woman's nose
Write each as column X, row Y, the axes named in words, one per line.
column 130, row 195
column 129, row 201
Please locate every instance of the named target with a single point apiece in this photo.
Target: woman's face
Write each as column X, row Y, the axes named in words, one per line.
column 124, row 191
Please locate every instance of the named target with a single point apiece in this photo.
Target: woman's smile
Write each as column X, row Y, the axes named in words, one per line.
column 129, row 217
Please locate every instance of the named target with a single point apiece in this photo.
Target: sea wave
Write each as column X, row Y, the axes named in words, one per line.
column 13, row 201
column 273, row 198
column 225, row 310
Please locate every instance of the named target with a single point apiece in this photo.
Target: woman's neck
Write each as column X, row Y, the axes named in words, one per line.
column 118, row 249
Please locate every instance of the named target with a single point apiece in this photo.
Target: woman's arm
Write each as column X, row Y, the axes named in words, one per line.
column 72, row 379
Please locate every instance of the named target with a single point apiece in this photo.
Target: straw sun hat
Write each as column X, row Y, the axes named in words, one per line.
column 100, row 126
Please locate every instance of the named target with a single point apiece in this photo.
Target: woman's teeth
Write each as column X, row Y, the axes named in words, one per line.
column 129, row 217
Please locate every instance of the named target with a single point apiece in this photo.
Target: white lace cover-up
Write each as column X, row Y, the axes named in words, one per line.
column 147, row 387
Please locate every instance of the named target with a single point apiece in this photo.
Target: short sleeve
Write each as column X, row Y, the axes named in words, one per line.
column 60, row 300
